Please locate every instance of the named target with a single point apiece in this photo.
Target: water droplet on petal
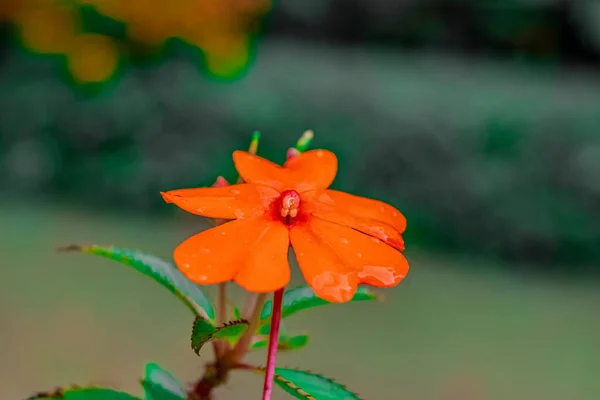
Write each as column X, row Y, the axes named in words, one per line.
column 239, row 213
column 235, row 191
column 333, row 285
column 200, row 209
column 223, row 233
column 344, row 240
column 206, row 251
column 395, row 214
column 359, row 255
column 320, row 154
column 384, row 275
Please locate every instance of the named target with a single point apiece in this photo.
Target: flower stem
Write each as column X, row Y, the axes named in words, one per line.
column 222, row 316
column 273, row 342
column 241, row 348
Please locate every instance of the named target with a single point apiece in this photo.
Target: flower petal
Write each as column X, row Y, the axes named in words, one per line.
column 373, row 217
column 219, row 254
column 335, row 259
column 255, row 169
column 314, row 169
column 311, row 170
column 321, row 267
column 266, row 268
column 229, row 202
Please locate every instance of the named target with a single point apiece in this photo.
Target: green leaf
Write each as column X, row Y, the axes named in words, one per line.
column 204, row 331
column 156, row 392
column 286, row 342
column 157, row 380
column 236, row 312
column 306, row 385
column 302, row 298
column 161, row 271
column 84, row 393
column 293, row 342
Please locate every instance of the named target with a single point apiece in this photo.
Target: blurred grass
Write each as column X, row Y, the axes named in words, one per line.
column 446, row 333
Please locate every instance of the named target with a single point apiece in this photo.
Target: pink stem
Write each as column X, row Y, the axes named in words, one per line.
column 273, row 342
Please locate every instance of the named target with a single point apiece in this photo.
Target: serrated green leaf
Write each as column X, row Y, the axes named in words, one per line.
column 161, row 271
column 84, row 393
column 302, row 298
column 204, row 331
column 308, row 386
column 231, row 330
column 157, row 392
column 155, row 377
column 286, row 342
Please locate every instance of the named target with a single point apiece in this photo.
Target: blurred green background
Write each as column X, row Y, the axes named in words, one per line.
column 478, row 119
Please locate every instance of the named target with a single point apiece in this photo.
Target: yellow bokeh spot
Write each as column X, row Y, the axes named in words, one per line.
column 226, row 55
column 92, row 58
column 221, row 28
column 47, row 29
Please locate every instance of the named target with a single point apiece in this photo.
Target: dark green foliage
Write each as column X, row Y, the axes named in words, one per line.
column 94, row 22
column 520, row 166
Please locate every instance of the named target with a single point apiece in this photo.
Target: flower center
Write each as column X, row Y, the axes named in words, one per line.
column 290, row 203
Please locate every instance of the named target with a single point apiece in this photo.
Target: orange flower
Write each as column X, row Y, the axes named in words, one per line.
column 340, row 240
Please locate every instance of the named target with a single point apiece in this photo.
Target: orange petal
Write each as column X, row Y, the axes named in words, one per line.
column 314, row 169
column 373, row 217
column 323, row 270
column 266, row 267
column 219, row 254
column 335, row 259
column 255, row 169
column 229, row 202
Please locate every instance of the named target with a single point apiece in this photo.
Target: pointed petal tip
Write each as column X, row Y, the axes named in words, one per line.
column 238, row 153
column 166, row 197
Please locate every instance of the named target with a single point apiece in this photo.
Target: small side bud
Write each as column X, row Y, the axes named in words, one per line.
column 292, row 152
column 305, row 140
column 220, row 182
column 253, row 149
